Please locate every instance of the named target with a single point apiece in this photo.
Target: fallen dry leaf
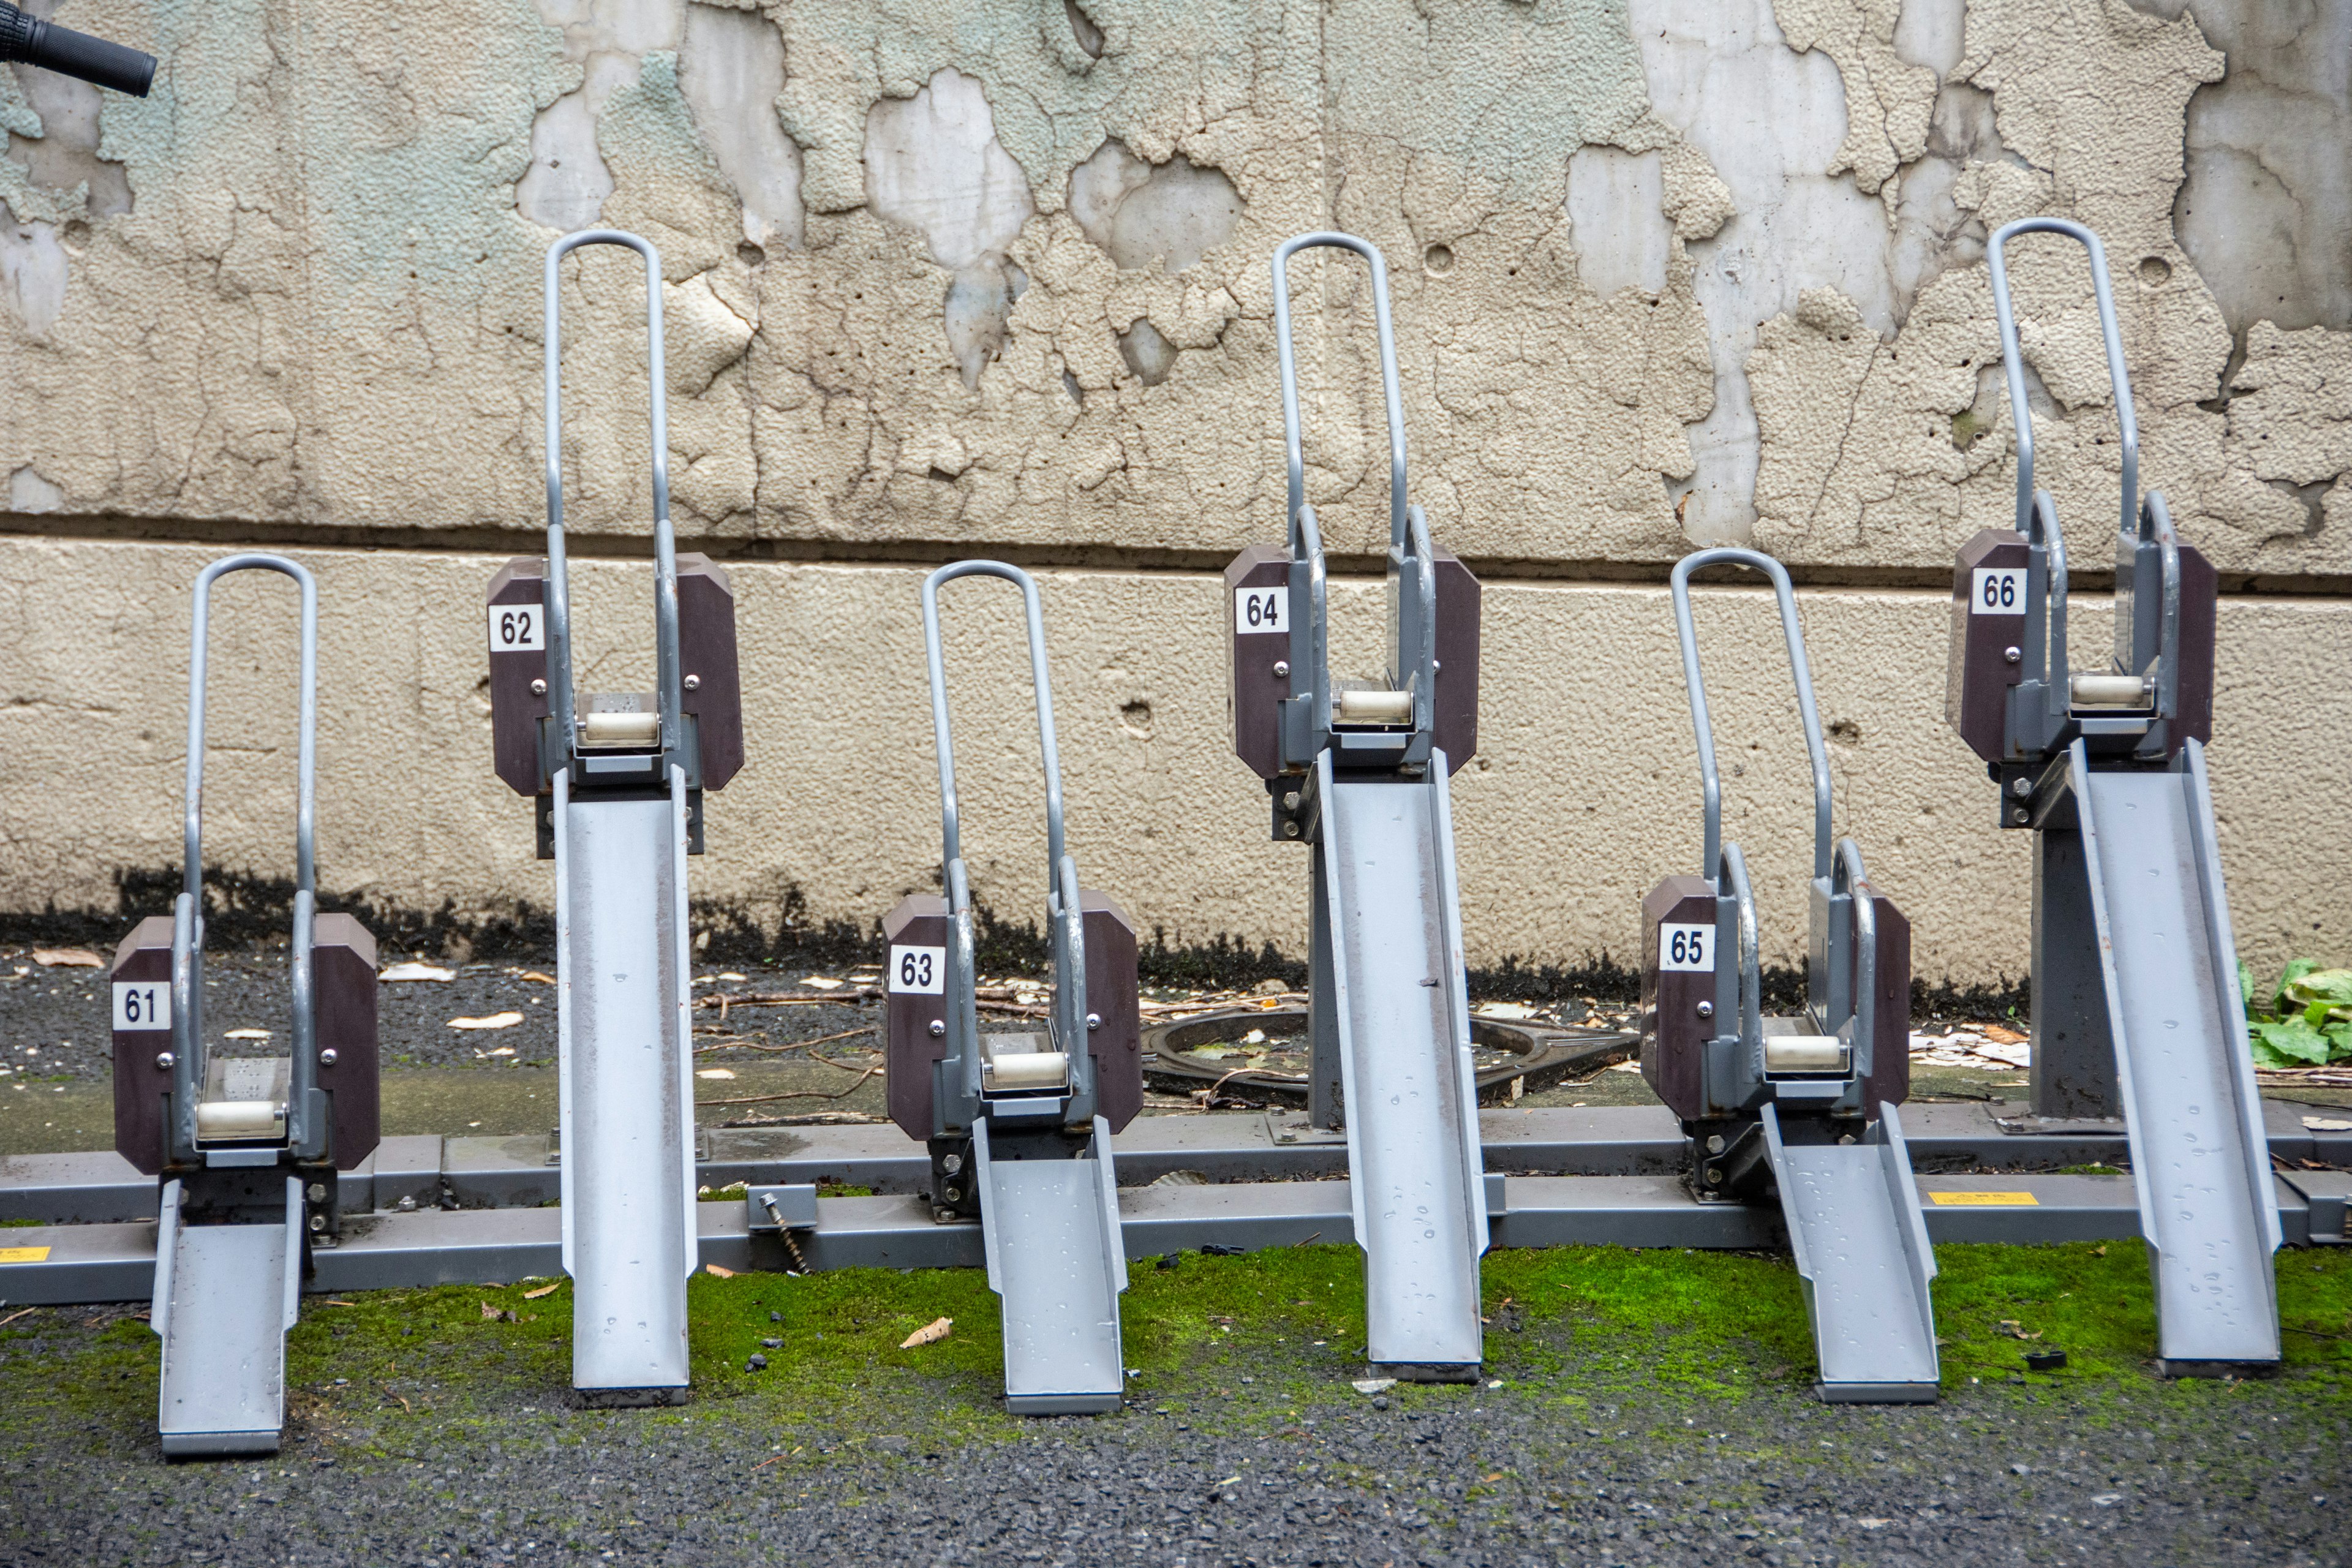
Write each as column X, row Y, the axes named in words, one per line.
column 245, row 1035
column 713, row 1072
column 542, row 1290
column 413, row 970
column 495, row 1021
column 2002, row 1037
column 930, row 1333
column 67, row 958
column 535, row 975
column 492, row 1314
column 713, row 1269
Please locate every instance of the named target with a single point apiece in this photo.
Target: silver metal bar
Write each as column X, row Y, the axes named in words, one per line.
column 1423, row 675
column 1287, row 358
column 1695, row 685
column 1865, row 954
column 2156, row 520
column 1061, row 869
column 2045, row 624
column 1733, row 871
column 188, row 1044
column 670, row 692
column 2014, row 360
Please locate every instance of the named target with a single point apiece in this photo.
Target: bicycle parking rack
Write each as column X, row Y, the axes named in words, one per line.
column 2136, row 1008
column 617, row 783
column 1360, row 775
column 1801, row 1107
column 248, row 1150
column 1019, row 1123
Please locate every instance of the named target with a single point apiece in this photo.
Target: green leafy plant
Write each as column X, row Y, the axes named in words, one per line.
column 2306, row 1019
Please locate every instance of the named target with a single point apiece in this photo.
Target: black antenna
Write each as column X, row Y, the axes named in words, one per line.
column 37, row 42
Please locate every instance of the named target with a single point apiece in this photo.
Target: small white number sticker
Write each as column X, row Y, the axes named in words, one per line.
column 1998, row 591
column 918, row 970
column 143, row 1005
column 1261, row 610
column 1686, row 947
column 518, row 628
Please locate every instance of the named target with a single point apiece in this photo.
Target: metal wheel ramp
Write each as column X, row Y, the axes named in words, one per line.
column 1861, row 1252
column 1051, row 1232
column 1403, row 1022
column 225, row 1296
column 2200, row 1159
column 625, row 1065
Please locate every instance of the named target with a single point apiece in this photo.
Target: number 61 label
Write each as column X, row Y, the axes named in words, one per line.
column 918, row 970
column 1686, row 947
column 143, row 1005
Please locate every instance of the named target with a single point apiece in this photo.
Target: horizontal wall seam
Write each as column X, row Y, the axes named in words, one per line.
column 497, row 545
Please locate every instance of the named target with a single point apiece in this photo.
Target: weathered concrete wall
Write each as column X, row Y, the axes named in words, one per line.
column 954, row 277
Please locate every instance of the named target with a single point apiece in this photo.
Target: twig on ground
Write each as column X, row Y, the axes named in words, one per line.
column 738, row 1043
column 798, row 1094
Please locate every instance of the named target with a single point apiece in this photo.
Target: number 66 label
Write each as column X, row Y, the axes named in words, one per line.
column 1996, row 591
column 143, row 1005
column 918, row 970
column 1686, row 947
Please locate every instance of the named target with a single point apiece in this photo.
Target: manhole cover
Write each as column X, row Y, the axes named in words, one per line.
column 1261, row 1054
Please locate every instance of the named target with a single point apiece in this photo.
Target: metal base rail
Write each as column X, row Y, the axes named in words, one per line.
column 99, row 1186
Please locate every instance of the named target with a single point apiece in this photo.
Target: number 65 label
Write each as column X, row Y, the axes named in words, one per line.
column 143, row 1005
column 1686, row 947
column 918, row 970
column 1996, row 591
column 518, row 628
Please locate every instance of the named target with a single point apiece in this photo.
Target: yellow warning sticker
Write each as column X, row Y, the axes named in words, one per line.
column 24, row 1255
column 1986, row 1200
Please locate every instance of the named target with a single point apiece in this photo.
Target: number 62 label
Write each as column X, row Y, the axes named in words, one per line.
column 518, row 628
column 918, row 970
column 1686, row 947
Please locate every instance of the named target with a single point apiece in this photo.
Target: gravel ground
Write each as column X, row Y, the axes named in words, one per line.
column 1569, row 1465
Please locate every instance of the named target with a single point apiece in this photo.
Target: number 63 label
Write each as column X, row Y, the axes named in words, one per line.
column 918, row 970
column 143, row 1005
column 1686, row 947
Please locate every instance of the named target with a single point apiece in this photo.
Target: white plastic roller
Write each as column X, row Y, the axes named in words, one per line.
column 1804, row 1053
column 2113, row 691
column 1374, row 707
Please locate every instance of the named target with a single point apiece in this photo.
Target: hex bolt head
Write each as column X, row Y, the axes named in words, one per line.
column 163, row 1060
column 327, row 1057
column 538, row 689
column 938, row 1028
column 1094, row 1020
column 1281, row 668
column 2012, row 655
column 951, row 1163
column 1706, row 1009
column 692, row 683
column 1846, row 1138
column 317, row 1192
column 2021, row 787
column 1290, row 800
column 1714, row 1143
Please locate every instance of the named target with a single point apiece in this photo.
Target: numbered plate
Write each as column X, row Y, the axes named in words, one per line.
column 918, row 970
column 518, row 628
column 1261, row 610
column 142, row 1004
column 1686, row 947
column 1998, row 591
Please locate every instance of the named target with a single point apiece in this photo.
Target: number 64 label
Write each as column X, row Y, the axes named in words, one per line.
column 142, row 1004
column 1261, row 610
column 918, row 970
column 1686, row 947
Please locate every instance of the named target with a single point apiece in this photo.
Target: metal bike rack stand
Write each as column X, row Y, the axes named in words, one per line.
column 1802, row 1107
column 248, row 1151
column 618, row 782
column 2136, row 1004
column 1019, row 1124
column 1361, row 777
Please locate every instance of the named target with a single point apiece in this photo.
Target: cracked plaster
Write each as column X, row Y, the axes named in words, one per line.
column 1663, row 272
